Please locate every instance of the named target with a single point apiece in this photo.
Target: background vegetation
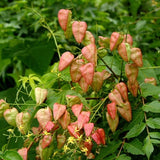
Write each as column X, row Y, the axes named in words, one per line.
column 28, row 49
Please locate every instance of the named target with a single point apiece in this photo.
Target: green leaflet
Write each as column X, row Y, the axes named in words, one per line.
column 11, row 155
column 152, row 107
column 155, row 135
column 153, row 123
column 123, row 157
column 148, row 147
column 136, row 130
column 134, row 147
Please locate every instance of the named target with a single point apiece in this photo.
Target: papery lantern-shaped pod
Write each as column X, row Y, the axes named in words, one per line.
column 72, row 100
column 64, row 17
column 97, row 81
column 73, row 130
column 102, row 135
column 46, row 141
column 88, row 39
column 22, row 122
column 82, row 119
column 124, row 51
column 113, row 123
column 23, row 153
column 115, row 96
column 126, row 111
column 75, row 69
column 90, row 53
column 10, row 116
column 58, row 110
column 133, row 87
column 83, row 84
column 136, row 56
column 87, row 72
column 112, row 110
column 77, row 108
column 3, row 106
column 43, row 116
column 65, row 60
column 88, row 128
column 64, row 120
column 128, row 39
column 36, row 130
column 61, row 139
column 86, row 113
column 122, row 89
column 115, row 40
column 89, row 146
column 151, row 80
column 104, row 41
column 102, row 52
column 131, row 71
column 96, row 137
column 51, row 126
column 79, row 30
column 40, row 95
column 106, row 74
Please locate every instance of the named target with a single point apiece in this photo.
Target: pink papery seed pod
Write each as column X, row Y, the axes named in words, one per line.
column 36, row 130
column 90, row 53
column 46, row 141
column 115, row 40
column 89, row 146
column 63, row 18
column 133, row 87
column 3, row 106
column 58, row 110
column 72, row 128
column 131, row 71
column 136, row 56
column 83, row 84
column 104, row 41
column 88, row 128
column 112, row 110
column 150, row 80
column 126, row 111
column 10, row 116
column 113, row 123
column 96, row 137
column 65, row 60
column 122, row 89
column 82, row 119
column 86, row 113
column 40, row 95
column 50, row 126
column 115, row 96
column 23, row 153
column 75, row 69
column 88, row 39
column 43, row 116
column 79, row 30
column 105, row 74
column 128, row 39
column 97, row 81
column 87, row 72
column 65, row 120
column 22, row 122
column 61, row 139
column 77, row 108
column 102, row 135
column 72, row 100
column 124, row 51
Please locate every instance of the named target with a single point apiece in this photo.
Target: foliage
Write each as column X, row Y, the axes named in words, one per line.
column 31, row 47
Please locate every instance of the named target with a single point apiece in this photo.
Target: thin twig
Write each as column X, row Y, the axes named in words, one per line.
column 108, row 67
column 121, row 148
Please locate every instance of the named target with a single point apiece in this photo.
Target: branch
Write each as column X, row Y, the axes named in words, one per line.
column 108, row 67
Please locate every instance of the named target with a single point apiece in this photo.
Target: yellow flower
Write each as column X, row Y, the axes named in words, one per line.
column 88, row 140
column 79, row 138
column 29, row 135
column 71, row 140
column 10, row 130
column 46, row 133
column 65, row 148
column 84, row 149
